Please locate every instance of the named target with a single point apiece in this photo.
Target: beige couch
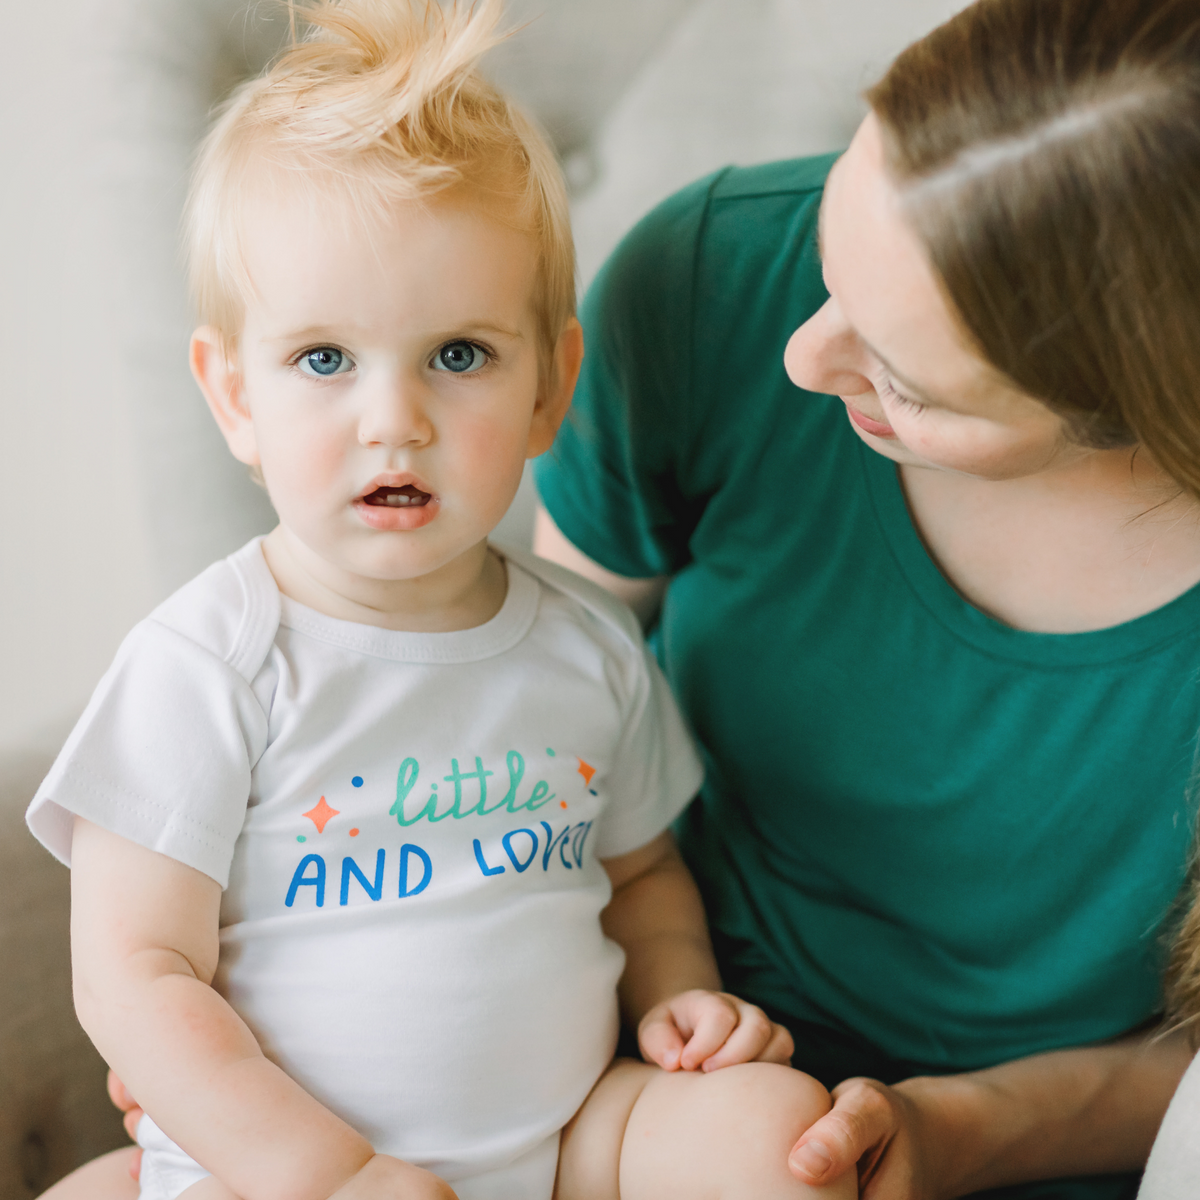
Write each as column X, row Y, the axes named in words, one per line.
column 52, row 1110
column 640, row 96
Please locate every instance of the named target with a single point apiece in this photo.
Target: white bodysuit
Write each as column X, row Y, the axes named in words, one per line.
column 407, row 827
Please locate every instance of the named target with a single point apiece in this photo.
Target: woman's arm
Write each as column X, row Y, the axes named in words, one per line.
column 144, row 951
column 1090, row 1110
column 644, row 596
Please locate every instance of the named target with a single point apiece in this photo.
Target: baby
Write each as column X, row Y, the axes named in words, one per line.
column 368, row 823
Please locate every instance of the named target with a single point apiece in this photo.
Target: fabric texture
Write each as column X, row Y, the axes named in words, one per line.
column 408, row 828
column 1173, row 1171
column 954, row 841
column 166, row 1172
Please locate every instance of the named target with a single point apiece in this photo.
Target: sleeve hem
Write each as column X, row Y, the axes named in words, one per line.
column 190, row 842
column 623, row 837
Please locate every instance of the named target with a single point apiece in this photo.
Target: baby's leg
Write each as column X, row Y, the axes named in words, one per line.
column 105, row 1178
column 646, row 1134
column 207, row 1189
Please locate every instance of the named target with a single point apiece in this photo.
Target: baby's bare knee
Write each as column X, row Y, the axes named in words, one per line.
column 722, row 1136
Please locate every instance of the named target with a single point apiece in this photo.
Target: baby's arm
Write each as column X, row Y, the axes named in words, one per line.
column 671, row 988
column 144, row 951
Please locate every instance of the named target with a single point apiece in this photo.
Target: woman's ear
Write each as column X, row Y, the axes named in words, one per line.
column 220, row 381
column 554, row 397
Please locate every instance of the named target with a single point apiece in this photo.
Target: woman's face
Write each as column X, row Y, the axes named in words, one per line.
column 887, row 343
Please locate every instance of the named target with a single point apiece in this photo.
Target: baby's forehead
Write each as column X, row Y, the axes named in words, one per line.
column 313, row 207
column 313, row 259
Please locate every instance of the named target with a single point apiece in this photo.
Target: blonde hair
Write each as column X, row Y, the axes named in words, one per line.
column 379, row 102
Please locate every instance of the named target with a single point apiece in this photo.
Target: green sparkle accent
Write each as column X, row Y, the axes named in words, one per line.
column 551, row 752
column 301, row 838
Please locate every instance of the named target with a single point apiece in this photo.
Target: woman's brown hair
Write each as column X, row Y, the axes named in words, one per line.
column 1047, row 152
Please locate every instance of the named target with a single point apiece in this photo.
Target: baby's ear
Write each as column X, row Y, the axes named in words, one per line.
column 554, row 397
column 217, row 374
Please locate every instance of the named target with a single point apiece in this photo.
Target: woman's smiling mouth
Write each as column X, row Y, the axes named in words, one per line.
column 869, row 424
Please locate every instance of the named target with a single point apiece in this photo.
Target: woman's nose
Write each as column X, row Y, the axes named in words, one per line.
column 826, row 355
column 396, row 414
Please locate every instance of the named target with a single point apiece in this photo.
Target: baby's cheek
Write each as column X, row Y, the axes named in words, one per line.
column 308, row 481
column 490, row 459
column 306, row 461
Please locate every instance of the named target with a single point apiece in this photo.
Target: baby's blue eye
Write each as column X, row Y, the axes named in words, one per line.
column 324, row 361
column 460, row 357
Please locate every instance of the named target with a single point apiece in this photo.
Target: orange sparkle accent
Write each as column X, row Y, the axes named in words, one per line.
column 354, row 833
column 562, row 804
column 321, row 814
column 587, row 772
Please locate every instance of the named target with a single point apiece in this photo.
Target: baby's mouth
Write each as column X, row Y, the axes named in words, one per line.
column 397, row 497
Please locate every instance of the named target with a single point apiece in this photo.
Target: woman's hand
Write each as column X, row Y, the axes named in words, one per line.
column 1091, row 1110
column 704, row 1030
column 883, row 1131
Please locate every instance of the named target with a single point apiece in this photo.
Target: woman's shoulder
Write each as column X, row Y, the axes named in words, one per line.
column 789, row 176
column 674, row 226
column 738, row 244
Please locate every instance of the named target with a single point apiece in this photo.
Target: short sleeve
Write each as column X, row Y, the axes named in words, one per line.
column 161, row 756
column 609, row 481
column 657, row 771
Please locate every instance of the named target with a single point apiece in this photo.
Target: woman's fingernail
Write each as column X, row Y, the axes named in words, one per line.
column 812, row 1159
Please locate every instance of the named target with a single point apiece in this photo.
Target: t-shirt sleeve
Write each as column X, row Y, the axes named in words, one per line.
column 610, row 481
column 161, row 756
column 657, row 769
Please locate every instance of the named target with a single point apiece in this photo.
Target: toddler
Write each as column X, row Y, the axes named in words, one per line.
column 369, row 821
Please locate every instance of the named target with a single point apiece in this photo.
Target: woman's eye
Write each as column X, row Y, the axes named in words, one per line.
column 889, row 390
column 324, row 361
column 460, row 357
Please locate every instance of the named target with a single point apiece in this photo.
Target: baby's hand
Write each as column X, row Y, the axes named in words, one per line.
column 705, row 1031
column 387, row 1178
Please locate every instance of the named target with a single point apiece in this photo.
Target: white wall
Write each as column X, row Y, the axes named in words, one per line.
column 75, row 560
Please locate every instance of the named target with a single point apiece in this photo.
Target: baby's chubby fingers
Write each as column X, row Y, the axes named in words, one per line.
column 703, row 1030
column 682, row 1032
column 756, row 1038
column 660, row 1039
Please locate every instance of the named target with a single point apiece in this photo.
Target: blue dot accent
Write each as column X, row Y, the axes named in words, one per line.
column 301, row 838
column 357, row 781
column 593, row 792
column 551, row 752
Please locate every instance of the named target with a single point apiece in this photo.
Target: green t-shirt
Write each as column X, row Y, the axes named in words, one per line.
column 957, row 840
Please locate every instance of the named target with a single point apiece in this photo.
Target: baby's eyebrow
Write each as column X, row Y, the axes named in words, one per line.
column 487, row 327
column 311, row 333
column 316, row 332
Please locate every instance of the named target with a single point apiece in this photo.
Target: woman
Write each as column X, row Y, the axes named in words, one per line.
column 939, row 642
